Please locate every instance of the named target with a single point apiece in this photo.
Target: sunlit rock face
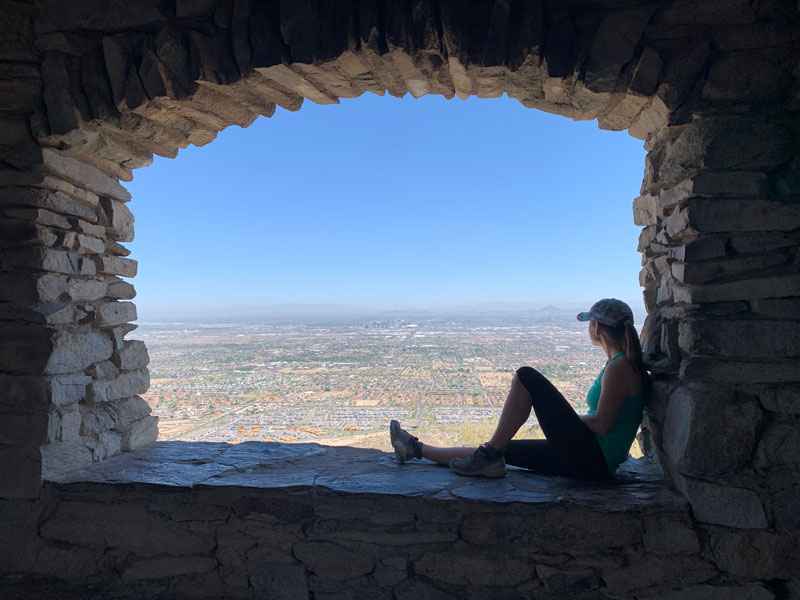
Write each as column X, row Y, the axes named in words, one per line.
column 91, row 90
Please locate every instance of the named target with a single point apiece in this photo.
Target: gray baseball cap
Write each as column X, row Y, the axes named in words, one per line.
column 609, row 312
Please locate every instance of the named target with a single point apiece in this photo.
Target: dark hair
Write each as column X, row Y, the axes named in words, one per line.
column 625, row 335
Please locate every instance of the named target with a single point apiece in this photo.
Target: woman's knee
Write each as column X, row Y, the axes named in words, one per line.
column 531, row 379
column 528, row 374
column 526, row 371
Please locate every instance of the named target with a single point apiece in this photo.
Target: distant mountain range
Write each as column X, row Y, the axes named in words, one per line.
column 289, row 310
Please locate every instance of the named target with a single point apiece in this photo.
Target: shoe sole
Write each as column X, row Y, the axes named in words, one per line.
column 493, row 473
column 399, row 447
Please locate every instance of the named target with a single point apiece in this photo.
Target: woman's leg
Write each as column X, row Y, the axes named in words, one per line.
column 444, row 455
column 516, row 411
column 571, row 446
column 407, row 446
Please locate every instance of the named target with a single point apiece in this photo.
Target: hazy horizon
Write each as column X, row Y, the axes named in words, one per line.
column 301, row 310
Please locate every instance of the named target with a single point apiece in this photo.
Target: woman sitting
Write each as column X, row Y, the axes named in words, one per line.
column 589, row 446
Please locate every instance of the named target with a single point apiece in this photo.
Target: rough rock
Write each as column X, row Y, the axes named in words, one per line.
column 718, row 504
column 116, row 265
column 169, row 566
column 765, row 339
column 780, row 445
column 121, row 290
column 114, row 313
column 756, row 554
column 124, row 385
column 119, row 219
column 83, row 175
column 784, row 399
column 280, row 581
column 62, row 457
column 131, row 355
column 332, row 561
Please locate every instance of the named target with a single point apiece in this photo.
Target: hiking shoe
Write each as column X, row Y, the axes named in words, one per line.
column 405, row 445
column 480, row 463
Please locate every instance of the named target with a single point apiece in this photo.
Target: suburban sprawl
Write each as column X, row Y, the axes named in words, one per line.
column 339, row 379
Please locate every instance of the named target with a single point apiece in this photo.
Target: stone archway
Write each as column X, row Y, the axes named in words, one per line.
column 91, row 91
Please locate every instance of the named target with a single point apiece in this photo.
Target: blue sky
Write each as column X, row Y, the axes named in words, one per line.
column 390, row 203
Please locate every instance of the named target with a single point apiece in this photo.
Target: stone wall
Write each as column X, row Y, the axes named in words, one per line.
column 68, row 377
column 89, row 92
column 268, row 520
column 722, row 284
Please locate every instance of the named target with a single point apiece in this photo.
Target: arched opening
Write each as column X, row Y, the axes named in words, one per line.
column 353, row 213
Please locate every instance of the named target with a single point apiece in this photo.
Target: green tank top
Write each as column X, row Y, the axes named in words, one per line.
column 617, row 443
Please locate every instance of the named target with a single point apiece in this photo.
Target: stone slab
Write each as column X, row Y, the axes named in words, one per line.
column 347, row 471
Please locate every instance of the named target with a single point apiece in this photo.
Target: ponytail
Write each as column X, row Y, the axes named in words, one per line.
column 633, row 352
column 625, row 335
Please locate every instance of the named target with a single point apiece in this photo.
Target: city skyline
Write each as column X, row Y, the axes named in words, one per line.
column 390, row 204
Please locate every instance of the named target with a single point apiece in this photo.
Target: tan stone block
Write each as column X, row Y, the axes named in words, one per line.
column 52, row 200
column 89, row 245
column 131, row 355
column 708, row 271
column 624, row 113
column 51, row 313
column 124, row 385
column 296, row 83
column 650, row 120
column 141, row 433
column 121, row 290
column 748, row 289
column 120, row 220
column 83, row 175
column 645, row 210
column 91, row 229
column 117, row 334
column 116, row 265
column 40, row 216
column 38, row 179
column 61, row 457
column 49, row 259
column 708, row 433
column 731, row 371
column 74, row 350
column 102, row 370
column 678, row 225
column 15, row 233
column 115, row 249
column 700, row 249
column 114, row 313
column 26, row 394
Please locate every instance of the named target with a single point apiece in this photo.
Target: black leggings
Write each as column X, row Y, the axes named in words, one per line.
column 570, row 449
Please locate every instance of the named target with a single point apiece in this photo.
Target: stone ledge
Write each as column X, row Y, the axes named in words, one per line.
column 271, row 520
column 345, row 470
